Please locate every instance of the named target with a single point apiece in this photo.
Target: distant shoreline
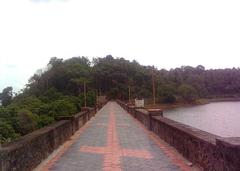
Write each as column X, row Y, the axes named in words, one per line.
column 230, row 99
column 164, row 106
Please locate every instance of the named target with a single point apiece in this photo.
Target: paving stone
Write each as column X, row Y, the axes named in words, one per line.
column 113, row 141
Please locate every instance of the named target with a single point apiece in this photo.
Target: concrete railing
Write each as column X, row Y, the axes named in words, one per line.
column 207, row 151
column 28, row 151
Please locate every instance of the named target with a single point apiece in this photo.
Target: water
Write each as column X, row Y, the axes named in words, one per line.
column 219, row 118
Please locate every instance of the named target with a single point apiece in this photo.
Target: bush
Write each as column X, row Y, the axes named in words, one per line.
column 50, row 95
column 12, row 110
column 26, row 122
column 167, row 93
column 63, row 108
column 4, row 113
column 74, row 100
column 7, row 132
column 30, row 103
column 45, row 120
column 43, row 109
column 91, row 98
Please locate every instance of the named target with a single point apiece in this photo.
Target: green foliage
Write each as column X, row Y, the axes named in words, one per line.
column 91, row 98
column 30, row 103
column 49, row 95
column 7, row 133
column 63, row 108
column 11, row 110
column 6, row 96
column 26, row 122
column 187, row 92
column 144, row 93
column 167, row 93
column 113, row 76
column 59, row 90
column 44, row 120
column 4, row 113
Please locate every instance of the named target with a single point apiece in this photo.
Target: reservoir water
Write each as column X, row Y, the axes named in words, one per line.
column 219, row 118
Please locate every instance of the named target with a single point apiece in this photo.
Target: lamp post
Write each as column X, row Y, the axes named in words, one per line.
column 130, row 83
column 85, row 96
column 129, row 93
column 153, row 88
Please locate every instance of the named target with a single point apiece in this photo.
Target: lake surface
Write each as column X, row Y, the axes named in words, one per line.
column 219, row 118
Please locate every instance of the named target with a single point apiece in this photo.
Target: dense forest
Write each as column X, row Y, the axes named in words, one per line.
column 58, row 89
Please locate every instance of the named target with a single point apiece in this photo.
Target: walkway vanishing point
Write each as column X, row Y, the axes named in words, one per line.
column 114, row 141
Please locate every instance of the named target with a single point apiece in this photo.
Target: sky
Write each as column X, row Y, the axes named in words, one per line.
column 164, row 33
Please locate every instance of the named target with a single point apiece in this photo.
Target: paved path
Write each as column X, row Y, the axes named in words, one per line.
column 114, row 141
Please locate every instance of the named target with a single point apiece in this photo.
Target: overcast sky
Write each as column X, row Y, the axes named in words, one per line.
column 164, row 33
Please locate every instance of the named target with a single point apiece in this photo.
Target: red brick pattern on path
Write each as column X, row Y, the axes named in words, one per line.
column 114, row 141
column 113, row 152
column 173, row 155
column 65, row 147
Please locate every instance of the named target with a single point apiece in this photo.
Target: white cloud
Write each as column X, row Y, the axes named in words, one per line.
column 154, row 32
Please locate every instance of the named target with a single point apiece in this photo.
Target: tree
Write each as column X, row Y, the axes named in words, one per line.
column 167, row 93
column 63, row 108
column 82, row 81
column 6, row 96
column 54, row 61
column 26, row 122
column 187, row 92
column 64, row 86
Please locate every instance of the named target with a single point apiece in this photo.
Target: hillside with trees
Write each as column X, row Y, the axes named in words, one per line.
column 58, row 90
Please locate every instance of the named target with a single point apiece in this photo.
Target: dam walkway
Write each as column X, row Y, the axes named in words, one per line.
column 114, row 141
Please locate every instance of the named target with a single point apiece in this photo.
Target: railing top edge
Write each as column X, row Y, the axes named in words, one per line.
column 195, row 132
column 28, row 137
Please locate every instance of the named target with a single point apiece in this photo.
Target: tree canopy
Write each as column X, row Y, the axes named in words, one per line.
column 58, row 89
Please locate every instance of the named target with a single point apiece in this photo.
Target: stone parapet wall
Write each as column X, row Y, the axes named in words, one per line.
column 142, row 116
column 28, row 151
column 207, row 151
